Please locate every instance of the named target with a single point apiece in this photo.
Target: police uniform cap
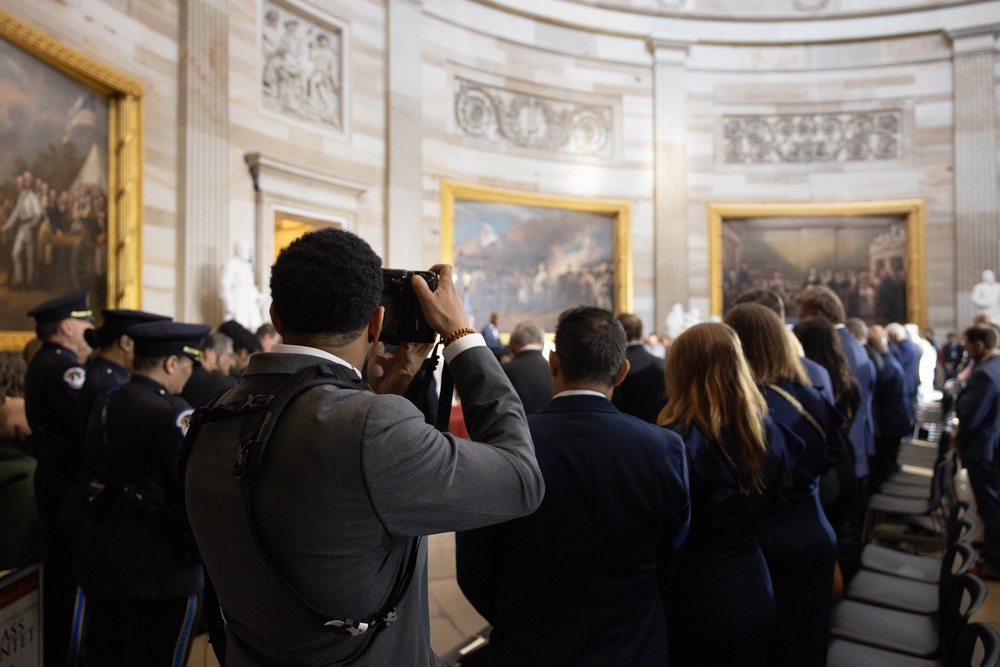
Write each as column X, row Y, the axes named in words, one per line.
column 118, row 321
column 74, row 305
column 163, row 339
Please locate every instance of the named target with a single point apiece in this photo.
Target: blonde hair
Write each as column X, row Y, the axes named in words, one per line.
column 710, row 386
column 767, row 345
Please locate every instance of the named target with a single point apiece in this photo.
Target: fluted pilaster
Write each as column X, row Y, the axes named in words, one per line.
column 670, row 210
column 204, row 164
column 405, row 156
column 977, row 226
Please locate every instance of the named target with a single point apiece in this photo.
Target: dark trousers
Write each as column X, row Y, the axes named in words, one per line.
column 153, row 633
column 984, row 477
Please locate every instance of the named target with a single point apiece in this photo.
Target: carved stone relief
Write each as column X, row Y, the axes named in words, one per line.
column 303, row 65
column 504, row 116
column 841, row 137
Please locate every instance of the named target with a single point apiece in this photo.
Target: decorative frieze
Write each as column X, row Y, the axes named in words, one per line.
column 840, row 137
column 516, row 118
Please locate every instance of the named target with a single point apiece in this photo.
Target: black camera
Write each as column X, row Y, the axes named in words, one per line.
column 404, row 320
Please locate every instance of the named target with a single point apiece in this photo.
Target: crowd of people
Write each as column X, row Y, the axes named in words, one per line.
column 611, row 506
column 874, row 296
column 54, row 240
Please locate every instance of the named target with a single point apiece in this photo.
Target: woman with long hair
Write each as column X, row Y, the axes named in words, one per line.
column 721, row 605
column 838, row 487
column 798, row 542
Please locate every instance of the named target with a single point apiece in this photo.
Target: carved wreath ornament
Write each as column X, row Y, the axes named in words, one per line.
column 852, row 137
column 504, row 116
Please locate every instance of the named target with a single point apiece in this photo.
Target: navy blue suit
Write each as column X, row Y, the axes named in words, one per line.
column 908, row 356
column 643, row 392
column 579, row 581
column 529, row 372
column 820, row 378
column 978, row 409
column 862, row 431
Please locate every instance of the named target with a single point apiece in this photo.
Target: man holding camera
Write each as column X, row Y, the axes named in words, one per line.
column 352, row 478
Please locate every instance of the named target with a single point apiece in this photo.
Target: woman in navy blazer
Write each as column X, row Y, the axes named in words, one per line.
column 799, row 544
column 721, row 609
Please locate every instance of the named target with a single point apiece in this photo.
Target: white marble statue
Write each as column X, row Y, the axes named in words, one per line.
column 241, row 299
column 986, row 295
column 675, row 322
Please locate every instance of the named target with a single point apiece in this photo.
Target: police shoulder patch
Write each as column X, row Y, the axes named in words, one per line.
column 184, row 420
column 75, row 377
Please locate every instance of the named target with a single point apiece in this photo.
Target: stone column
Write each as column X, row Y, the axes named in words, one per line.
column 670, row 210
column 977, row 227
column 203, row 209
column 404, row 155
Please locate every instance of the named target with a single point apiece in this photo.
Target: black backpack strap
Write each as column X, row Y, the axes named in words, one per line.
column 261, row 413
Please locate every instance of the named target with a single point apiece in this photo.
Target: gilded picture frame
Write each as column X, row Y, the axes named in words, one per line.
column 898, row 218
column 121, row 282
column 528, row 256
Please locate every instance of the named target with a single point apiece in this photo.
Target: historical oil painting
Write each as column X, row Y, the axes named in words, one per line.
column 867, row 259
column 529, row 257
column 53, row 186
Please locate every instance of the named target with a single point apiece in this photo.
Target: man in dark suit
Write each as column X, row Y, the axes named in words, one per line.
column 528, row 370
column 206, row 379
column 643, row 392
column 820, row 301
column 581, row 577
column 977, row 438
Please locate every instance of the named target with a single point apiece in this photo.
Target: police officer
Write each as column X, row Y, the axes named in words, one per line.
column 110, row 367
column 133, row 559
column 52, row 397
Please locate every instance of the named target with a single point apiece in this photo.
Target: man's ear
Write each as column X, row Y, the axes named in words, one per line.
column 125, row 343
column 375, row 324
column 274, row 320
column 170, row 364
column 554, row 363
column 622, row 373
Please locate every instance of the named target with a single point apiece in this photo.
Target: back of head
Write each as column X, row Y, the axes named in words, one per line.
column 858, row 329
column 820, row 301
column 244, row 340
column 217, row 341
column 821, row 344
column 632, row 325
column 984, row 333
column 766, row 344
column 711, row 387
column 590, row 344
column 896, row 331
column 876, row 338
column 527, row 333
column 329, row 282
column 765, row 297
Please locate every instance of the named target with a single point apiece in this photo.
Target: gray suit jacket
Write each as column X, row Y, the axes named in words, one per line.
column 350, row 479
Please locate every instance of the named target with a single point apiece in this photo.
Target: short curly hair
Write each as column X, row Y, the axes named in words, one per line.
column 328, row 281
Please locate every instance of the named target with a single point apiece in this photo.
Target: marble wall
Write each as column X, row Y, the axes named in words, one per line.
column 648, row 90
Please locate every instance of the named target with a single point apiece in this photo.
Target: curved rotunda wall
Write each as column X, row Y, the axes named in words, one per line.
column 684, row 94
column 657, row 90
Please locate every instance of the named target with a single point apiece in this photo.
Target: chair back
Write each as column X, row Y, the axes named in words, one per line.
column 963, row 598
column 938, row 484
column 978, row 646
column 959, row 527
column 957, row 560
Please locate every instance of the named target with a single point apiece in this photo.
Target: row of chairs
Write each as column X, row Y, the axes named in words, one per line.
column 905, row 606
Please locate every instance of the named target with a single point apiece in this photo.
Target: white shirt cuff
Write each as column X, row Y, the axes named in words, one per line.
column 463, row 344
